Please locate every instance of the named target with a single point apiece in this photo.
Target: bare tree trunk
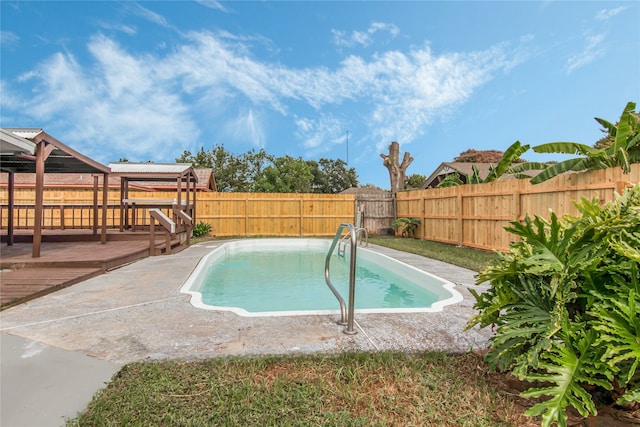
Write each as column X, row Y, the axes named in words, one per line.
column 397, row 170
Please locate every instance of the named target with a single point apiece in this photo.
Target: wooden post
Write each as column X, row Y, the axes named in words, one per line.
column 105, row 201
column 180, row 190
column 194, row 207
column 11, row 185
column 37, row 225
column 460, row 219
column 95, row 205
column 246, row 215
column 167, row 240
column 301, row 218
column 423, row 211
column 122, row 204
column 62, row 214
column 152, row 237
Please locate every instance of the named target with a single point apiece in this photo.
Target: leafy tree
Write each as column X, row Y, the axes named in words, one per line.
column 260, row 171
column 620, row 148
column 232, row 172
column 286, row 175
column 565, row 301
column 331, row 176
column 414, row 181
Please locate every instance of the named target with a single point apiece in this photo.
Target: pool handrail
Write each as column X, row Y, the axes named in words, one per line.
column 346, row 316
column 342, row 244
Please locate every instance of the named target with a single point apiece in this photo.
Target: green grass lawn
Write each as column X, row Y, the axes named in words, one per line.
column 349, row 389
column 473, row 259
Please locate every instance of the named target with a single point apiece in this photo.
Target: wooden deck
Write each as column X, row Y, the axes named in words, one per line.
column 64, row 263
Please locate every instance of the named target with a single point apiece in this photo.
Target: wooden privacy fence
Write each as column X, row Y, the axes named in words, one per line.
column 475, row 215
column 230, row 214
column 378, row 211
column 469, row 215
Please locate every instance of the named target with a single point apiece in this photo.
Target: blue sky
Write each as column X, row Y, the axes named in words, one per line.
column 147, row 80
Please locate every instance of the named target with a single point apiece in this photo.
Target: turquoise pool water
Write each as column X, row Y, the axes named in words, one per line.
column 286, row 276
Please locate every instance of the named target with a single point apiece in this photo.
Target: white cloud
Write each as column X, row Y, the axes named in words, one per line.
column 246, row 127
column 606, row 14
column 591, row 52
column 145, row 104
column 318, row 135
column 127, row 29
column 212, row 4
column 149, row 15
column 9, row 40
column 363, row 38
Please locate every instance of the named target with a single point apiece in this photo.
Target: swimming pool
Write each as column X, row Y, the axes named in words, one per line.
column 275, row 277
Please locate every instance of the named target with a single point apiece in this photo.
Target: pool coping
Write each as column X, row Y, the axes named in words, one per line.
column 223, row 250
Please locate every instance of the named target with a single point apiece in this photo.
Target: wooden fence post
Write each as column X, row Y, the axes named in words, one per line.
column 460, row 220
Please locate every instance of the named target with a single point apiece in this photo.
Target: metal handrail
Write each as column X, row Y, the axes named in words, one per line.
column 346, row 316
column 342, row 245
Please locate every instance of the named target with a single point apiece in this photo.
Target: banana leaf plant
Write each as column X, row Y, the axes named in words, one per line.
column 507, row 166
column 407, row 226
column 623, row 151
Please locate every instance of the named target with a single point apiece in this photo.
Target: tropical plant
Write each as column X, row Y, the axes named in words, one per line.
column 622, row 150
column 565, row 301
column 407, row 226
column 509, row 164
column 450, row 180
column 201, row 229
column 414, row 181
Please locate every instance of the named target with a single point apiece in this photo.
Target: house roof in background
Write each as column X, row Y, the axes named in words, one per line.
column 64, row 180
column 206, row 181
column 365, row 190
column 465, row 169
column 448, row 168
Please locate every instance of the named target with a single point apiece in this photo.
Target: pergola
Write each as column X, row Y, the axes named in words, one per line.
column 182, row 174
column 32, row 150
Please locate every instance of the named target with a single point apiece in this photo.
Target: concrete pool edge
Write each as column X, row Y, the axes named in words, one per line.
column 219, row 251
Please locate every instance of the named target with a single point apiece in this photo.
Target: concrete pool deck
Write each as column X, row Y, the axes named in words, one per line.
column 137, row 313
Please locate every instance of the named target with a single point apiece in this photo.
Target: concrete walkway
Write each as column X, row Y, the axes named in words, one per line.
column 137, row 313
column 44, row 385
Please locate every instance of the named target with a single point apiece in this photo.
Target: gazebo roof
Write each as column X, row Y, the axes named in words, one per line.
column 153, row 171
column 18, row 148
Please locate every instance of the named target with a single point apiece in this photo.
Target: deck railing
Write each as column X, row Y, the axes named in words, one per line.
column 58, row 216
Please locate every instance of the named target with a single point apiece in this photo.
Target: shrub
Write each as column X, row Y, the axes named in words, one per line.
column 565, row 301
column 407, row 226
column 201, row 229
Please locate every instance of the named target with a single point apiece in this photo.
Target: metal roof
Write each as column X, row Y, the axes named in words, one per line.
column 132, row 167
column 11, row 143
column 154, row 171
column 61, row 158
column 28, row 133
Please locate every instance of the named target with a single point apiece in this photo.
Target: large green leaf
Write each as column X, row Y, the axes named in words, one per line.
column 622, row 151
column 618, row 321
column 512, row 154
column 555, row 170
column 625, row 126
column 565, row 148
column 567, row 367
